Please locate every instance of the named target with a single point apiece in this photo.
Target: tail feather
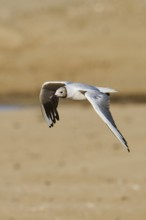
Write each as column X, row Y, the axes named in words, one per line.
column 106, row 90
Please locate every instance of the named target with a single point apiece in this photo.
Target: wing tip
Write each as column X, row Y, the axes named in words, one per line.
column 53, row 122
column 128, row 149
column 126, row 144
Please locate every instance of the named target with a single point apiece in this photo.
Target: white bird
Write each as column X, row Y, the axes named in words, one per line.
column 98, row 97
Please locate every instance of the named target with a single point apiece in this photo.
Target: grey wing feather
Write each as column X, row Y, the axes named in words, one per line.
column 49, row 102
column 100, row 103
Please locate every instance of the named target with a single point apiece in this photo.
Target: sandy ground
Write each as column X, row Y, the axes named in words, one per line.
column 77, row 170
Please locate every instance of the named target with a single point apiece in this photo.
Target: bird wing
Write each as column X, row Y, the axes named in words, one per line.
column 100, row 103
column 49, row 101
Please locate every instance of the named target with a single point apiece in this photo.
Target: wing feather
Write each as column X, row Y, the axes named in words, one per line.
column 100, row 103
column 49, row 102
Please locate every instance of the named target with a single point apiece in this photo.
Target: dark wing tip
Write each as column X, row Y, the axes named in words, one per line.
column 128, row 149
column 50, row 101
column 50, row 126
column 125, row 142
column 51, row 113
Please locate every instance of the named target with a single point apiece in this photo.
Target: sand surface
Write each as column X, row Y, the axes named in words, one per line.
column 76, row 170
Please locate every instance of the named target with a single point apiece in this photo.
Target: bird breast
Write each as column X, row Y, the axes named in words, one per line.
column 77, row 95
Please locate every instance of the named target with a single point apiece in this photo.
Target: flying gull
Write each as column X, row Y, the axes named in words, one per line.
column 98, row 97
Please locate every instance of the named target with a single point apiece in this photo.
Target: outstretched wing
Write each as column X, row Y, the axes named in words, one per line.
column 49, row 102
column 100, row 103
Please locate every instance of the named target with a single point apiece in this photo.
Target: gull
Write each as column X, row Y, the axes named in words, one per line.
column 98, row 97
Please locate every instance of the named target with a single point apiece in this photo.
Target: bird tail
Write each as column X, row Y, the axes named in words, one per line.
column 106, row 90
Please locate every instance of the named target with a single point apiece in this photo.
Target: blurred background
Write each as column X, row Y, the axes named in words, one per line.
column 97, row 42
column 78, row 169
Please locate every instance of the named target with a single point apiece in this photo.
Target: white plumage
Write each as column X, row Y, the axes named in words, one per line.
column 98, row 97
